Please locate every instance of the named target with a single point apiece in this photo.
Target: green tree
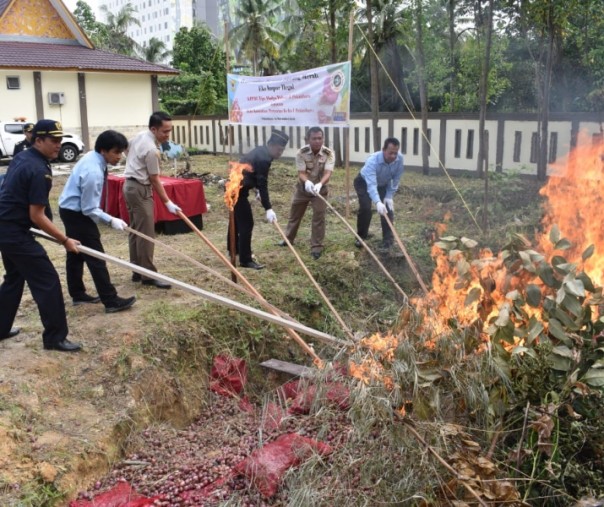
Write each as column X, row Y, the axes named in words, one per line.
column 155, row 51
column 582, row 61
column 484, row 16
column 391, row 28
column 197, row 50
column 543, row 24
column 373, row 74
column 192, row 94
column 96, row 31
column 201, row 86
column 118, row 40
column 255, row 34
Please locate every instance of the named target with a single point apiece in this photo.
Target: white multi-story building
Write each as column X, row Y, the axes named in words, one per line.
column 163, row 18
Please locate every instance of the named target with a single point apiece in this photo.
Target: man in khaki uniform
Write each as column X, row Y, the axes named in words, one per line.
column 142, row 178
column 315, row 163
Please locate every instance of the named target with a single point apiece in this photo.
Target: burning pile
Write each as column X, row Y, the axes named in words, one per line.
column 521, row 295
column 575, row 196
column 537, row 314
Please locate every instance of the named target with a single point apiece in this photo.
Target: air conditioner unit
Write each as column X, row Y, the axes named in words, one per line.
column 56, row 98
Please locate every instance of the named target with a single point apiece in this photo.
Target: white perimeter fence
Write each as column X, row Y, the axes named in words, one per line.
column 453, row 138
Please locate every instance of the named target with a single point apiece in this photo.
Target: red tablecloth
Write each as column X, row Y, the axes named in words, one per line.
column 188, row 194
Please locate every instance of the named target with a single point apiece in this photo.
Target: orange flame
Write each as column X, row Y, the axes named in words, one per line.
column 470, row 294
column 233, row 185
column 575, row 195
column 371, row 369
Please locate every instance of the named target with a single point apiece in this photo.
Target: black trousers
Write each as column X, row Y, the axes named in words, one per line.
column 364, row 213
column 83, row 228
column 25, row 260
column 244, row 225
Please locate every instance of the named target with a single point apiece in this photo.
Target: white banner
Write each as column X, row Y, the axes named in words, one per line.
column 312, row 97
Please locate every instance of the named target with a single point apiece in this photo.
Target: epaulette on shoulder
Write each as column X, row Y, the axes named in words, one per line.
column 305, row 149
column 327, row 150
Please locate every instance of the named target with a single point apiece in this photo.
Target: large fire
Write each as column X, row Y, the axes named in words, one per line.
column 233, row 184
column 477, row 293
column 575, row 196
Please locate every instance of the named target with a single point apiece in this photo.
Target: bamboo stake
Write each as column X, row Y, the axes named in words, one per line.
column 369, row 251
column 232, row 234
column 316, row 359
column 314, row 282
column 210, row 296
column 406, row 254
column 268, row 306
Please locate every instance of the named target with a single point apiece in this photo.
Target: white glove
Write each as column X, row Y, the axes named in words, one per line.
column 309, row 187
column 270, row 216
column 118, row 224
column 172, row 208
column 381, row 209
column 389, row 204
column 318, row 188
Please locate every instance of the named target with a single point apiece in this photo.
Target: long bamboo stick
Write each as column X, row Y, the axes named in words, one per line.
column 210, row 296
column 314, row 282
column 407, row 256
column 383, row 268
column 268, row 306
column 232, row 234
column 316, row 359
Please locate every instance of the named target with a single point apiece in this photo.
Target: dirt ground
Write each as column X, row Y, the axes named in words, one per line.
column 64, row 418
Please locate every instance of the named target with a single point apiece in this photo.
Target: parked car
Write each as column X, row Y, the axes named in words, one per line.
column 11, row 132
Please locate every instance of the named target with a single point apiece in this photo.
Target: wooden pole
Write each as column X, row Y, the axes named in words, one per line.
column 210, row 296
column 232, row 229
column 213, row 272
column 369, row 251
column 314, row 282
column 292, row 334
column 347, row 129
column 407, row 256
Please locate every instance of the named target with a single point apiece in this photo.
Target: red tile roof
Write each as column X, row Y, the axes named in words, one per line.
column 34, row 55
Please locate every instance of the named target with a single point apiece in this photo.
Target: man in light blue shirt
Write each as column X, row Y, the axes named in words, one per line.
column 79, row 208
column 377, row 182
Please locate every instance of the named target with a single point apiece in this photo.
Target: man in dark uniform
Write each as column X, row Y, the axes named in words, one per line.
column 315, row 163
column 260, row 160
column 24, row 204
column 26, row 143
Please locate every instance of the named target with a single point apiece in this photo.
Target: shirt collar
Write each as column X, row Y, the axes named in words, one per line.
column 100, row 159
column 152, row 137
column 383, row 160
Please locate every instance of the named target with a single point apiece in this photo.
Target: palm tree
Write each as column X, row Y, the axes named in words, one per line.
column 255, row 35
column 155, row 51
column 391, row 28
column 117, row 24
